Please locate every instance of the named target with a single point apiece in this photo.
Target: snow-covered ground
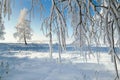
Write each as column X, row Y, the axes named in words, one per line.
column 36, row 65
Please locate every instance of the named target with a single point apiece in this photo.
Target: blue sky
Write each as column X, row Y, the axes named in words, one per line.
column 35, row 21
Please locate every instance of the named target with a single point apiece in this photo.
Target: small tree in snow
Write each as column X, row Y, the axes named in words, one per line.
column 23, row 27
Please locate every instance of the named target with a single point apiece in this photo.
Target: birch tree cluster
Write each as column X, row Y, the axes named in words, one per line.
column 92, row 21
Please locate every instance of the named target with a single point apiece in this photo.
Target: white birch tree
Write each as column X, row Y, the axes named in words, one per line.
column 24, row 31
column 56, row 23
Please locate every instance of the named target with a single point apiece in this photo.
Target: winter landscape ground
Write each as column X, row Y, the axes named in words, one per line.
column 32, row 62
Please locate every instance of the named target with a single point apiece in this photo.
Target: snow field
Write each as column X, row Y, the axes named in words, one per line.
column 27, row 65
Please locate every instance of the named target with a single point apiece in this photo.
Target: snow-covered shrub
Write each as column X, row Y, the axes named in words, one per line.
column 4, row 69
